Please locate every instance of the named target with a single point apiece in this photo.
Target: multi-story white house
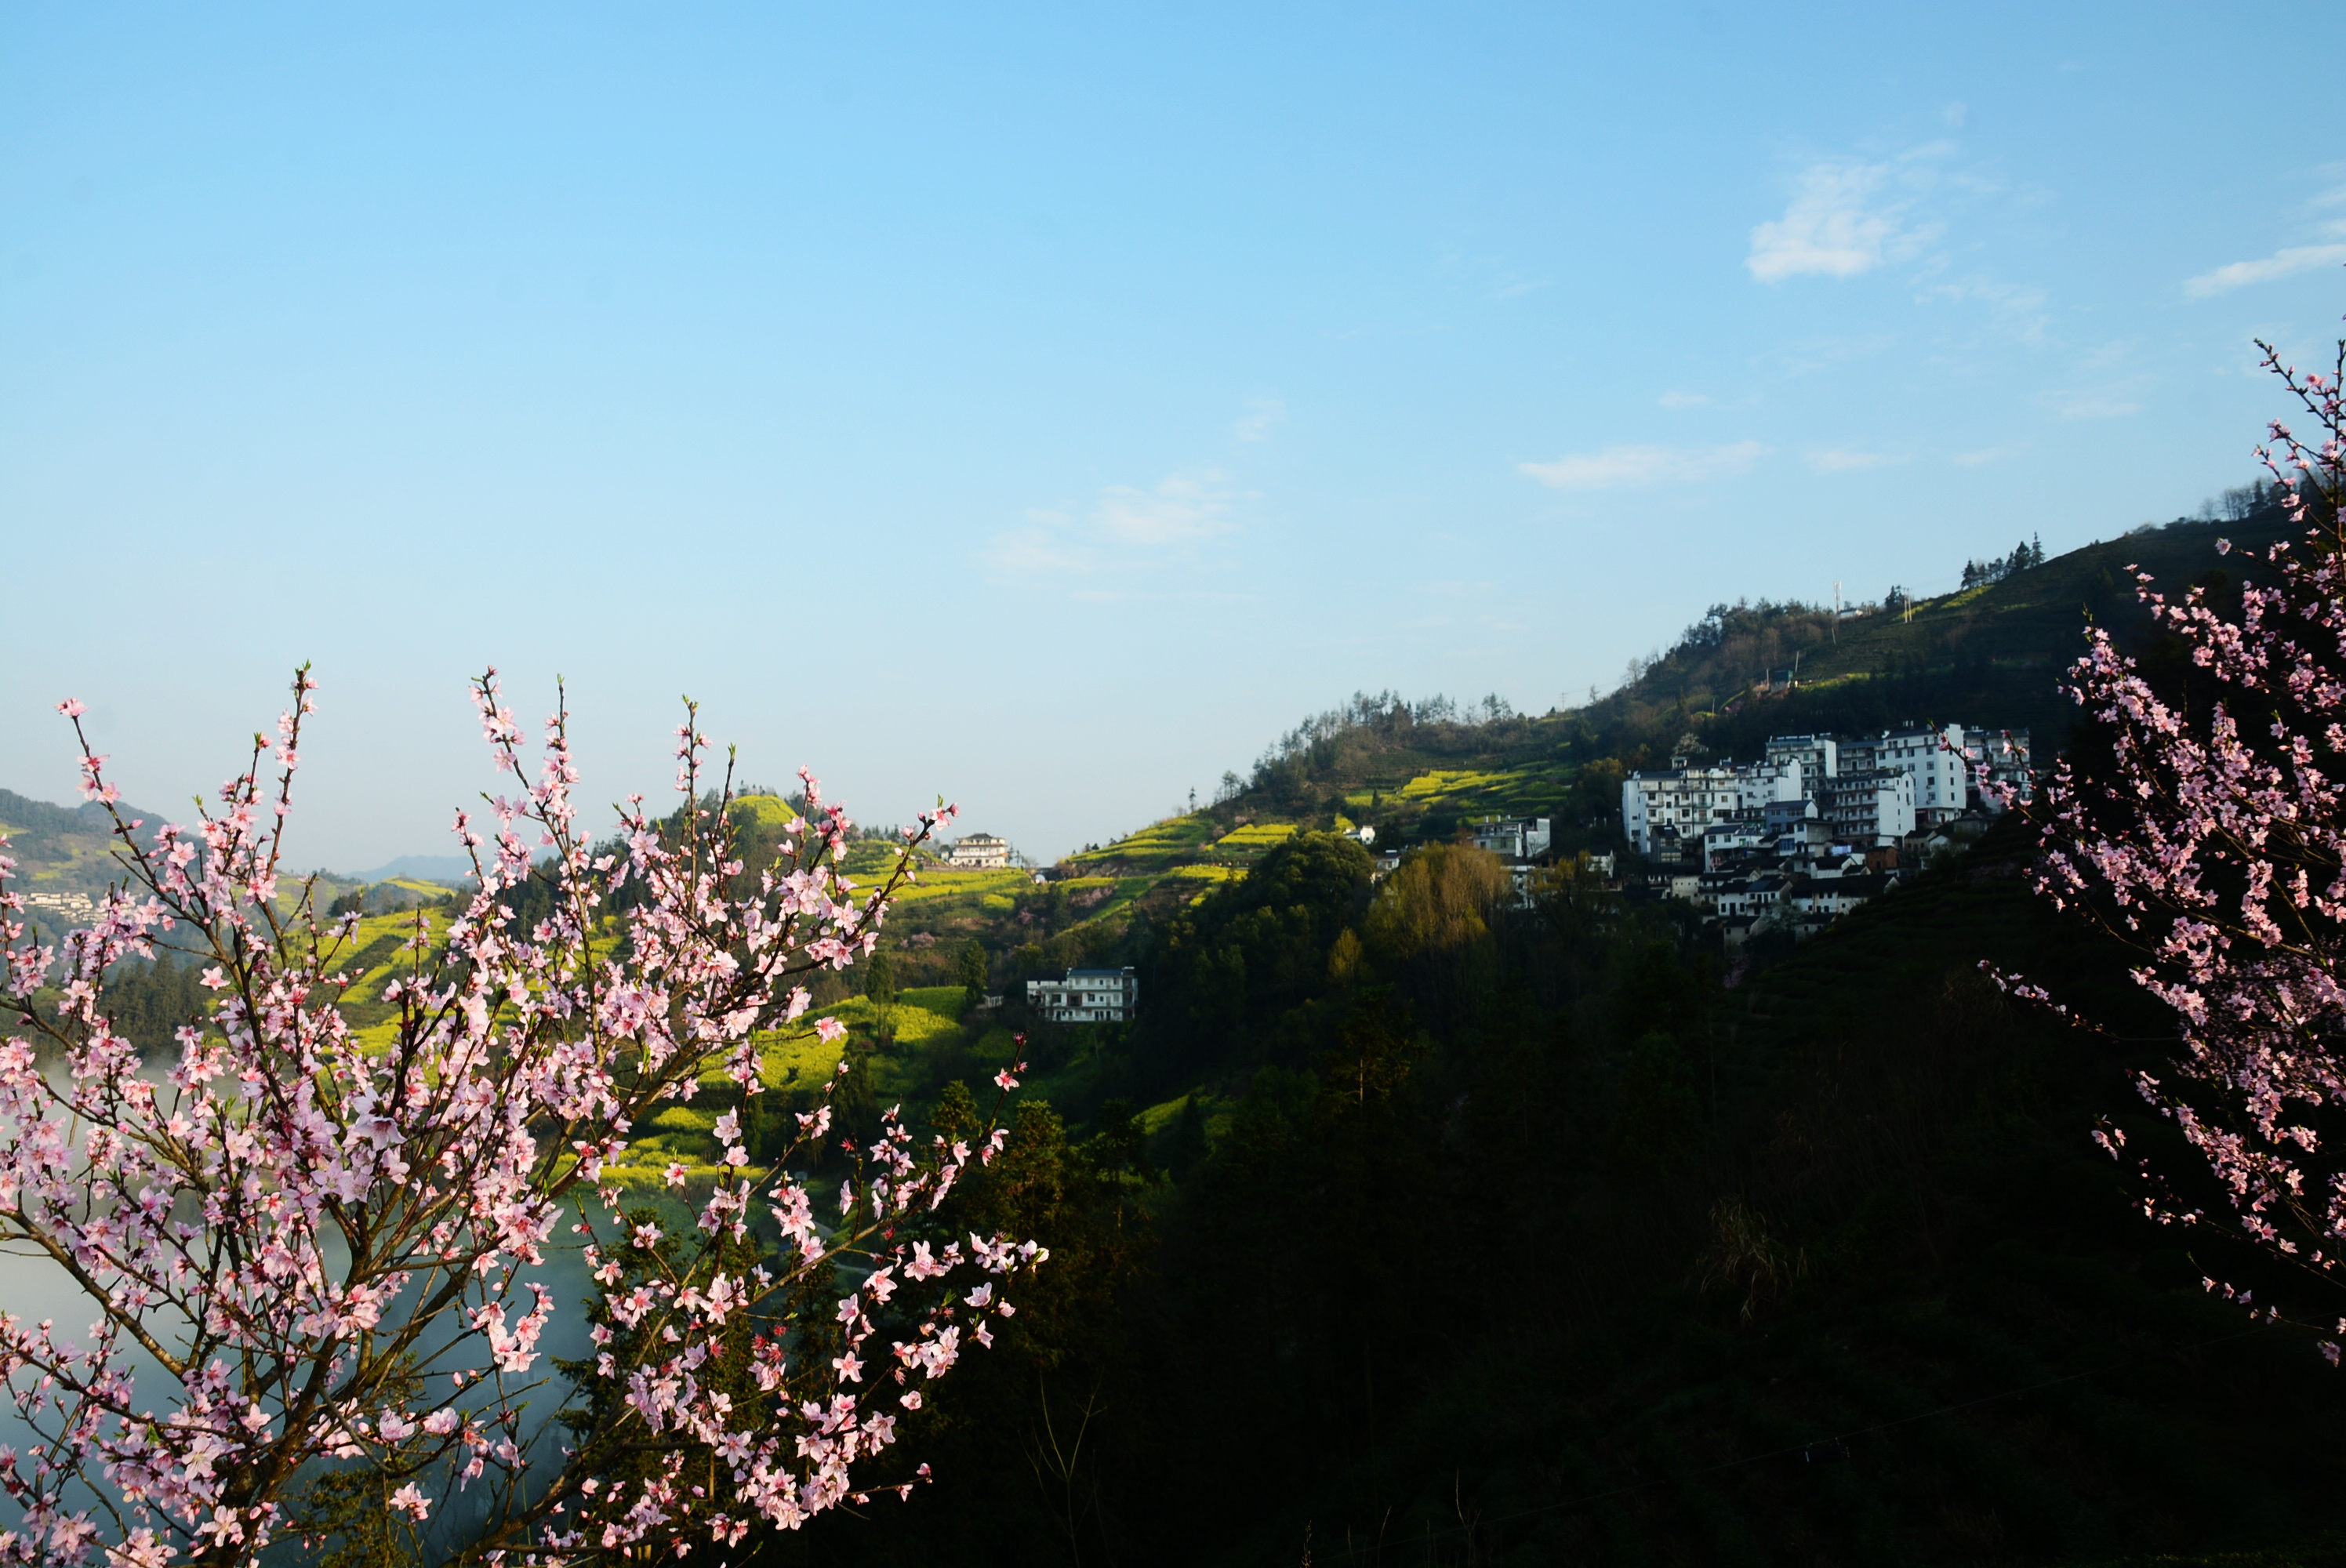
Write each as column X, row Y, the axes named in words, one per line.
column 1661, row 809
column 979, row 853
column 1820, row 825
column 1746, row 835
column 1819, row 755
column 1876, row 807
column 72, row 906
column 1833, row 897
column 1933, row 758
column 1087, row 996
column 1661, row 812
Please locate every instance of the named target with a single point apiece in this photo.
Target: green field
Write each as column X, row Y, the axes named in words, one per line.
column 939, row 883
column 1159, row 846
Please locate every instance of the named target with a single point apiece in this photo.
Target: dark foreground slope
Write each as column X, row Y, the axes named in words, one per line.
column 1546, row 1247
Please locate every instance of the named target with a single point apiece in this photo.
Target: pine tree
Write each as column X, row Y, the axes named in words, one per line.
column 971, row 970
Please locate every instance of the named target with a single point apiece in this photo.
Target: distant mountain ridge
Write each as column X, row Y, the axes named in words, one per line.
column 71, row 851
column 24, row 814
column 422, row 868
column 67, row 849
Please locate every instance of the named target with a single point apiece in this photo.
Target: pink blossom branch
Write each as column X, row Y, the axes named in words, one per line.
column 202, row 1215
column 2217, row 847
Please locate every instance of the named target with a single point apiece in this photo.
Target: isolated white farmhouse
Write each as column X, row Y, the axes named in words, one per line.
column 979, row 853
column 1087, row 996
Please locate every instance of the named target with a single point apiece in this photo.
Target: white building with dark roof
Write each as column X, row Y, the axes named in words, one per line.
column 2003, row 753
column 1671, row 812
column 979, row 853
column 1933, row 758
column 1087, row 996
column 1876, row 807
column 1515, row 838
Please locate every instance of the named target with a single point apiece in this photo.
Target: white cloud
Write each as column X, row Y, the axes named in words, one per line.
column 2286, row 262
column 1834, row 227
column 1176, row 510
column 1263, row 415
column 1682, row 399
column 1494, row 277
column 2108, row 382
column 2091, row 405
column 2117, row 353
column 1025, row 552
column 1810, row 355
column 1840, row 460
column 1128, row 528
column 1983, row 456
column 1955, row 114
column 1639, row 466
column 2019, row 309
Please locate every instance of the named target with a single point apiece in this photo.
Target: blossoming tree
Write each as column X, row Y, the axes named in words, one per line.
column 2216, row 844
column 335, row 1252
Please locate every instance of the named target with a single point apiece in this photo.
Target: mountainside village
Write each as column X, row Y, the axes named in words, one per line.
column 1816, row 827
column 1819, row 824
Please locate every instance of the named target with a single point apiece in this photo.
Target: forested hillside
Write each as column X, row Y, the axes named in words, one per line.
column 74, row 853
column 1986, row 656
column 1414, row 1228
column 1418, row 772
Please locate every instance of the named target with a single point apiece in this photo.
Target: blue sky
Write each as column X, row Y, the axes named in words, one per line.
column 1047, row 407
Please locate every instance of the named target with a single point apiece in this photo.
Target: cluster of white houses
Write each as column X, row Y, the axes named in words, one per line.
column 1872, row 790
column 74, row 908
column 1819, row 824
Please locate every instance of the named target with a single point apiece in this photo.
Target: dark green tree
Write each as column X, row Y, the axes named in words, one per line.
column 148, row 1002
column 1187, row 1146
column 880, row 982
column 1056, row 1377
column 604, row 1429
column 971, row 970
